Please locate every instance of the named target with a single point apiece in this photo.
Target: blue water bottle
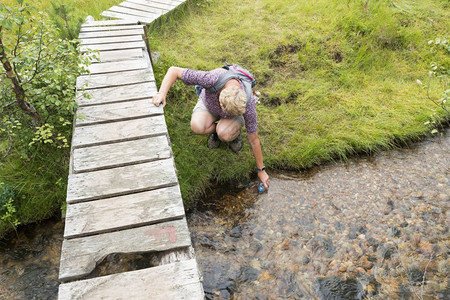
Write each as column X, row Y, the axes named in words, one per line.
column 261, row 188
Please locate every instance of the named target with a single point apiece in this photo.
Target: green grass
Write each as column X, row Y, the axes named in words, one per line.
column 82, row 8
column 336, row 79
column 39, row 182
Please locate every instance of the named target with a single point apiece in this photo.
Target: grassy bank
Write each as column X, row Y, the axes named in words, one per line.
column 336, row 77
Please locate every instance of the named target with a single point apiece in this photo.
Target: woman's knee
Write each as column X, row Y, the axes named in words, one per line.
column 227, row 133
column 197, row 127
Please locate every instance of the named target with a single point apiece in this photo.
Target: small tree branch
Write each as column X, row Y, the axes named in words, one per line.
column 9, row 104
column 17, row 87
column 9, row 148
column 432, row 100
column 36, row 65
column 16, row 47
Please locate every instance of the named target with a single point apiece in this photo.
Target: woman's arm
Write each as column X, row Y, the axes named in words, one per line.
column 257, row 152
column 172, row 75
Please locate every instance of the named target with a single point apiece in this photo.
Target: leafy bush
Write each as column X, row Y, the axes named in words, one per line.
column 440, row 71
column 7, row 208
column 36, row 113
column 44, row 69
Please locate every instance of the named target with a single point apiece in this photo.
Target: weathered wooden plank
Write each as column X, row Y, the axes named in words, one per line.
column 170, row 2
column 106, row 113
column 179, row 280
column 115, row 79
column 120, row 154
column 115, row 132
column 144, row 8
column 118, row 94
column 116, row 55
column 108, row 23
column 164, row 6
column 110, row 28
column 122, row 212
column 124, row 65
column 80, row 255
column 112, row 14
column 133, row 12
column 112, row 39
column 114, row 46
column 110, row 33
column 121, row 181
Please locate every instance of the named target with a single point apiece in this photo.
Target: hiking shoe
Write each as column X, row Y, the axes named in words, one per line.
column 213, row 141
column 236, row 144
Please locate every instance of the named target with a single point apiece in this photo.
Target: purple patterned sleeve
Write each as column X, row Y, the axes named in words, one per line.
column 251, row 123
column 204, row 78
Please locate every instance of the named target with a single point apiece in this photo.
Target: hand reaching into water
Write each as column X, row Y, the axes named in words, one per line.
column 264, row 178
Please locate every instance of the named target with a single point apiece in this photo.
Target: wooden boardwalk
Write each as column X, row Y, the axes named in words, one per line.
column 123, row 194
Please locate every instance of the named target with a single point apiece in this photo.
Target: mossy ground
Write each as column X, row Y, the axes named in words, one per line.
column 336, row 78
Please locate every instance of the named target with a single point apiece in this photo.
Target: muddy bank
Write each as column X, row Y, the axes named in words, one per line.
column 374, row 227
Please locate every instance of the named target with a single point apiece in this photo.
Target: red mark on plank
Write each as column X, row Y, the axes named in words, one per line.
column 159, row 232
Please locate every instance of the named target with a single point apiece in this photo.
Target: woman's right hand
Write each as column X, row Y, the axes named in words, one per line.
column 158, row 99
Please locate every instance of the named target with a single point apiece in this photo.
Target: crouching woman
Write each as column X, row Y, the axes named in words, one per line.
column 219, row 113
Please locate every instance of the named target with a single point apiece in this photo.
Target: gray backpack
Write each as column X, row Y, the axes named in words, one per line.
column 235, row 72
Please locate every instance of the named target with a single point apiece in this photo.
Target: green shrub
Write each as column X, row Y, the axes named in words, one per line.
column 8, row 217
column 45, row 68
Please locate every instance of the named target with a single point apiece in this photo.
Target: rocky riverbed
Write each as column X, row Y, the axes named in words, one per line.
column 29, row 262
column 373, row 228
column 370, row 228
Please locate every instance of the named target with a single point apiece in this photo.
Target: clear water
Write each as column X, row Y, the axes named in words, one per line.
column 373, row 227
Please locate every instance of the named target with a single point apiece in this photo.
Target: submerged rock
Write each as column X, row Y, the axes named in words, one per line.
column 219, row 279
column 445, row 294
column 236, row 232
column 321, row 244
column 208, row 242
column 415, row 275
column 248, row 274
column 404, row 293
column 336, row 288
column 387, row 251
column 395, row 231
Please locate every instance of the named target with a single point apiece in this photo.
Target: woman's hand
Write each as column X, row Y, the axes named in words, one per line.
column 158, row 99
column 173, row 73
column 264, row 178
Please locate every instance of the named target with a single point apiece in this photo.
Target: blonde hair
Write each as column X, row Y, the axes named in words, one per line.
column 233, row 100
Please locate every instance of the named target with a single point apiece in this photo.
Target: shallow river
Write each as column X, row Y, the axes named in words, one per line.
column 373, row 228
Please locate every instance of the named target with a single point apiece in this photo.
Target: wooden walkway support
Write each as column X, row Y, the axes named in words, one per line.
column 123, row 194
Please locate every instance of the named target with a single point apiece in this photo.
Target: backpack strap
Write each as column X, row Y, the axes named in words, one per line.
column 234, row 73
